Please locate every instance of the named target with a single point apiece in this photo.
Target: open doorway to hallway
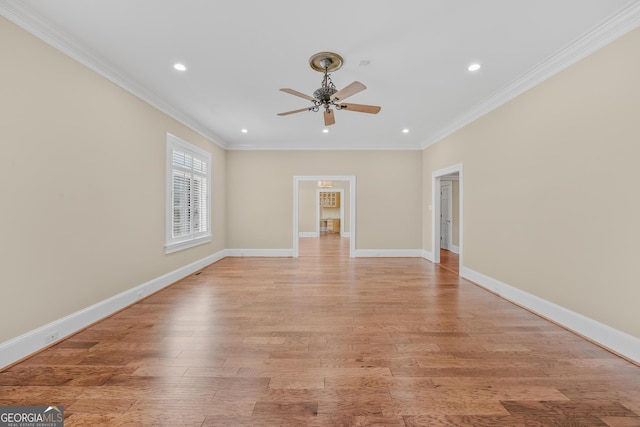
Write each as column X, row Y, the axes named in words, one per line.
column 450, row 222
column 323, row 227
column 330, row 209
column 324, row 208
column 447, row 224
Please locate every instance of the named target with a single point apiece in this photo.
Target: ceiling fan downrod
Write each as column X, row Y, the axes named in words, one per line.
column 327, row 88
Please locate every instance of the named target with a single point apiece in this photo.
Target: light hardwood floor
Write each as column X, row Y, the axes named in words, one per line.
column 326, row 340
column 449, row 261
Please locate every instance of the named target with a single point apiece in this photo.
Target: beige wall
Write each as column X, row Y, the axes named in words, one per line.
column 82, row 179
column 550, row 188
column 388, row 191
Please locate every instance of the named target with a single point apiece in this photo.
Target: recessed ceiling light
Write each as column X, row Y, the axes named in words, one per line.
column 325, row 130
column 180, row 67
column 405, row 130
column 244, row 131
column 474, row 67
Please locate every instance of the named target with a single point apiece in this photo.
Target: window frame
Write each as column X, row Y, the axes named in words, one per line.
column 175, row 244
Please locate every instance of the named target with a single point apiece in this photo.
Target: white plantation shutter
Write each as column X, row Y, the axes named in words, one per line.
column 180, row 221
column 188, row 172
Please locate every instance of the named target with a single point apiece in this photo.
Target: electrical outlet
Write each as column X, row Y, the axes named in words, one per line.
column 53, row 336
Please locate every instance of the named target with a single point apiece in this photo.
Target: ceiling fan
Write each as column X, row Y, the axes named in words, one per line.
column 327, row 95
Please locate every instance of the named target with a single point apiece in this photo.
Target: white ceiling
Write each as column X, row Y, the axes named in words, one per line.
column 239, row 53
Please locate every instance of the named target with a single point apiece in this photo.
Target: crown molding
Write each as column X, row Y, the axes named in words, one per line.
column 611, row 29
column 616, row 26
column 319, row 147
column 29, row 20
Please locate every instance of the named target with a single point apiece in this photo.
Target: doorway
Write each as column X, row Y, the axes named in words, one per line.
column 330, row 211
column 447, row 214
column 350, row 182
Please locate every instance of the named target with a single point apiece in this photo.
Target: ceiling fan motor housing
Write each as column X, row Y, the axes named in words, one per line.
column 324, row 93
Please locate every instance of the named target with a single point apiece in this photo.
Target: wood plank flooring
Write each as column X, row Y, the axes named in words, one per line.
column 449, row 261
column 325, row 340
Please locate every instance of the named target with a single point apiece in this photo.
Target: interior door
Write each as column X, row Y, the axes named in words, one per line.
column 445, row 214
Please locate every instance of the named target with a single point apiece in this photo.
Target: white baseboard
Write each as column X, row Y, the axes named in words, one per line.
column 346, row 234
column 455, row 249
column 389, row 253
column 22, row 346
column 308, row 234
column 30, row 342
column 259, row 252
column 617, row 341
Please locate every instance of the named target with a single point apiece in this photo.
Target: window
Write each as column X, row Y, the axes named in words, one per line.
column 188, row 195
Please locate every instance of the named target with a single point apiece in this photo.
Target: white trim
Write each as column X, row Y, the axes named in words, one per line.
column 295, row 146
column 24, row 16
column 352, row 208
column 346, row 234
column 428, row 255
column 304, row 234
column 617, row 341
column 435, row 211
column 455, row 249
column 28, row 343
column 170, row 248
column 259, row 253
column 389, row 253
column 623, row 22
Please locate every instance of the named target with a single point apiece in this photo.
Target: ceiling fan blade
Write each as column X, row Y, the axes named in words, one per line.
column 296, row 93
column 294, row 111
column 329, row 118
column 346, row 92
column 371, row 109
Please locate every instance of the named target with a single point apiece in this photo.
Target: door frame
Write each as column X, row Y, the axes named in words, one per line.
column 436, row 179
column 319, row 208
column 352, row 208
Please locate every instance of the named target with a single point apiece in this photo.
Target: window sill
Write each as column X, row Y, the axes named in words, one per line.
column 178, row 246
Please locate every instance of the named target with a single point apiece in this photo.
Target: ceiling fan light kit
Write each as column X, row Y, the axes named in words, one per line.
column 328, row 95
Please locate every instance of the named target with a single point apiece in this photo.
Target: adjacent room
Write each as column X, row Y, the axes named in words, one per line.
column 338, row 213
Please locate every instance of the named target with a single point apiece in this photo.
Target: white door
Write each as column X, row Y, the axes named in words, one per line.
column 445, row 214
